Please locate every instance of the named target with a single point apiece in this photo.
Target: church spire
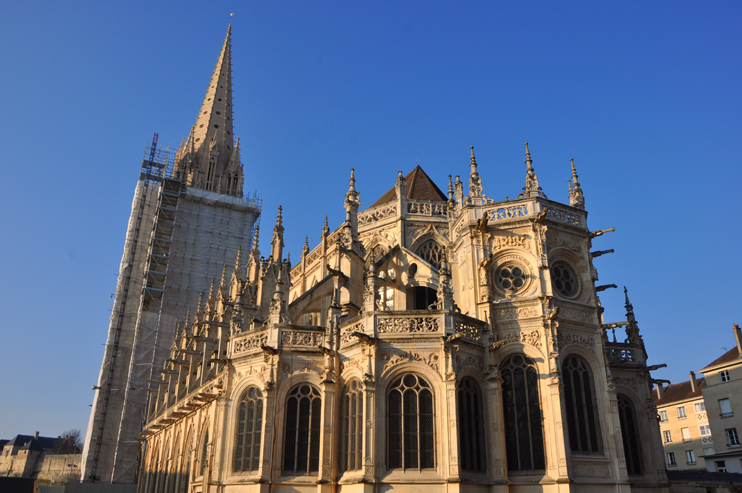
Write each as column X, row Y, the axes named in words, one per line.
column 277, row 241
column 475, row 181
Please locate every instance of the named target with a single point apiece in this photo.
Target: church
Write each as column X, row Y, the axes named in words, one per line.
column 434, row 341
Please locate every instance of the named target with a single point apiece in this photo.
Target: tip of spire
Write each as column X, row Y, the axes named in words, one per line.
column 528, row 153
column 352, row 181
column 279, row 218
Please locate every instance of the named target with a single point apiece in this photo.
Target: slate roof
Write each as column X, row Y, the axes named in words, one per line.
column 46, row 443
column 727, row 357
column 679, row 392
column 419, row 187
column 32, row 445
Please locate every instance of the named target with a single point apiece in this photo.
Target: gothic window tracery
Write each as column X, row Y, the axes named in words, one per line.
column 582, row 410
column 522, row 411
column 564, row 279
column 411, row 422
column 511, row 278
column 203, row 459
column 629, row 435
column 351, row 410
column 249, row 428
column 302, row 437
column 432, row 252
column 471, row 426
column 375, row 254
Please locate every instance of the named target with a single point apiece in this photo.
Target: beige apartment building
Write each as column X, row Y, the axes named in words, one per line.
column 684, row 426
column 723, row 396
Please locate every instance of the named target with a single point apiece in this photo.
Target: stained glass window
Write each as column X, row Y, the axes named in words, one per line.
column 629, row 435
column 432, row 252
column 524, row 439
column 471, row 426
column 411, row 434
column 302, row 438
column 582, row 411
column 249, row 430
column 351, row 412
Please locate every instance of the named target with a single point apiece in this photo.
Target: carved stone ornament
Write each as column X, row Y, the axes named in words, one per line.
column 415, row 232
column 566, row 217
column 564, row 340
column 300, row 338
column 553, row 243
column 386, row 236
column 502, row 314
column 512, row 212
column 377, row 214
column 462, row 361
column 249, row 343
column 408, row 325
column 532, row 338
column 404, row 357
column 510, row 241
column 576, row 315
column 345, row 333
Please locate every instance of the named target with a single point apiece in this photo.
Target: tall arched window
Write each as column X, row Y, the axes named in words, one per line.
column 630, row 435
column 351, row 413
column 582, row 410
column 153, row 467
column 471, row 427
column 432, row 252
column 524, row 438
column 174, row 473
column 303, row 418
column 249, row 428
column 165, row 472
column 411, row 426
column 203, row 456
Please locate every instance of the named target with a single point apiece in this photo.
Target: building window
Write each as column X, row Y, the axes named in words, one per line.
column 705, row 430
column 564, row 279
column 411, row 424
column 629, row 435
column 685, row 432
column 582, row 412
column 690, row 457
column 724, row 376
column 721, row 466
column 351, row 410
column 732, row 437
column 204, row 455
column 671, row 459
column 511, row 278
column 709, row 451
column 432, row 252
column 301, row 444
column 420, row 297
column 524, row 440
column 700, row 407
column 471, row 426
column 725, row 407
column 667, row 436
column 249, row 429
column 385, row 299
column 663, row 416
column 681, row 412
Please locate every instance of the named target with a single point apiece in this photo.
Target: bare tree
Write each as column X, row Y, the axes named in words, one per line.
column 69, row 443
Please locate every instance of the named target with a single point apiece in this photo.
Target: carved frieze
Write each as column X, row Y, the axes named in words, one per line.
column 510, row 241
column 398, row 357
column 301, row 338
column 566, row 217
column 408, row 325
column 512, row 212
column 416, row 231
column 464, row 360
column 373, row 215
column 345, row 333
column 576, row 315
column 502, row 314
column 553, row 243
column 249, row 343
column 564, row 340
column 532, row 338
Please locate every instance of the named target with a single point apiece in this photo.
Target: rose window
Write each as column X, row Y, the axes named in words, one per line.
column 563, row 279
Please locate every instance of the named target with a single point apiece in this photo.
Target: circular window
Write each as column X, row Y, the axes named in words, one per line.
column 563, row 279
column 511, row 277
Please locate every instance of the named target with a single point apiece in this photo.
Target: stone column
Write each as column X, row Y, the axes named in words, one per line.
column 369, row 432
column 326, row 454
column 270, row 467
column 556, row 456
column 495, row 431
column 450, row 427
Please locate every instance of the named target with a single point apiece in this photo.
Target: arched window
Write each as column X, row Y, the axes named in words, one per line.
column 582, row 410
column 153, row 468
column 249, row 428
column 202, row 457
column 524, row 438
column 351, row 412
column 303, row 418
column 165, row 472
column 174, row 476
column 630, row 435
column 471, row 427
column 411, row 426
column 432, row 252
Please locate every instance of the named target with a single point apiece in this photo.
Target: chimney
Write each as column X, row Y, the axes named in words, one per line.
column 738, row 337
column 693, row 382
column 660, row 389
column 36, row 435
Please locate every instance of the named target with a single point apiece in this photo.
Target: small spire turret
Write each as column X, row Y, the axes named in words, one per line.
column 451, row 201
column 576, row 198
column 305, row 250
column 475, row 181
column 325, row 228
column 531, row 189
column 277, row 241
column 352, row 203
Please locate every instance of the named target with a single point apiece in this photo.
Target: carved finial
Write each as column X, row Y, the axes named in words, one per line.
column 279, row 218
column 576, row 197
column 531, row 189
column 238, row 260
column 223, row 280
column 255, row 238
column 200, row 303
column 475, row 181
column 325, row 228
column 306, row 246
column 450, row 188
column 458, row 189
column 211, row 293
column 352, row 186
column 277, row 241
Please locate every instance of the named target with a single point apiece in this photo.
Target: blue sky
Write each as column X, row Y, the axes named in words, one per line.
column 645, row 96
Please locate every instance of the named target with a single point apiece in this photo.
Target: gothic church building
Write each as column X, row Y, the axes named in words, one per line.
column 442, row 342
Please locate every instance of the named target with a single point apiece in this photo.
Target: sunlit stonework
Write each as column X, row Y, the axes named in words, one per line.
column 432, row 342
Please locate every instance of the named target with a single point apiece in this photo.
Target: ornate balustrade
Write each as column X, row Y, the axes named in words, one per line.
column 249, row 342
column 371, row 216
column 620, row 354
column 301, row 338
column 470, row 328
column 411, row 323
column 507, row 212
column 426, row 208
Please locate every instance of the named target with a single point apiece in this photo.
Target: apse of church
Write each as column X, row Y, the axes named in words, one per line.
column 432, row 342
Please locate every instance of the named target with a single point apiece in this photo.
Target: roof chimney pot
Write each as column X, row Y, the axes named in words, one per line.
column 693, row 382
column 738, row 337
column 36, row 435
column 660, row 389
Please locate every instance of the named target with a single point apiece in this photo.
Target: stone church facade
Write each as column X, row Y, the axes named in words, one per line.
column 432, row 342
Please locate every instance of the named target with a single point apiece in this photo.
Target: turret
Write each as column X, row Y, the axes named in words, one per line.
column 576, row 198
column 531, row 189
column 475, row 181
column 277, row 241
column 352, row 202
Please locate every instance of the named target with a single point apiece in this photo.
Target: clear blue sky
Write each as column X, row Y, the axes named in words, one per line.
column 645, row 96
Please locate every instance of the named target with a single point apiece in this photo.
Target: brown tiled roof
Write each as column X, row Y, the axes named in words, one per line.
column 727, row 357
column 679, row 392
column 419, row 187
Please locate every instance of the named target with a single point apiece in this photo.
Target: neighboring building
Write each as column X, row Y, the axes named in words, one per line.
column 723, row 396
column 41, row 458
column 432, row 342
column 684, row 425
column 188, row 219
